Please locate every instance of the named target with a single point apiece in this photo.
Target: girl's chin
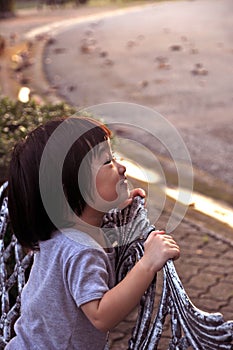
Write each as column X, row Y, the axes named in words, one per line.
column 123, row 188
column 117, row 202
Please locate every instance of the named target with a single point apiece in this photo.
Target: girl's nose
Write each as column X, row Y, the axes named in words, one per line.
column 121, row 168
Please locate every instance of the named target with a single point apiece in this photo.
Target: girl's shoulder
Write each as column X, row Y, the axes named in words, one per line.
column 70, row 244
column 71, row 241
column 79, row 239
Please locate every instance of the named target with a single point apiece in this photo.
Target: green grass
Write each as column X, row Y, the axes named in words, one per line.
column 25, row 4
column 17, row 119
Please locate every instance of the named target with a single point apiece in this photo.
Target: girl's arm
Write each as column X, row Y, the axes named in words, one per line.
column 119, row 301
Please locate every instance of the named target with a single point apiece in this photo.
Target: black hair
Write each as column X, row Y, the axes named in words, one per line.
column 30, row 221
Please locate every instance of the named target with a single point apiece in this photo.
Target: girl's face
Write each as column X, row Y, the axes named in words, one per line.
column 110, row 179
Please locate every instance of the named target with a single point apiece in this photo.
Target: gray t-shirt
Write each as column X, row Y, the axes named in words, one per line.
column 70, row 270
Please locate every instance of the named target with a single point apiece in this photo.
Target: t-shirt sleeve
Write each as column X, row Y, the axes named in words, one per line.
column 88, row 276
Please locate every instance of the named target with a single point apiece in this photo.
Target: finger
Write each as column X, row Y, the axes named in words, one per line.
column 176, row 253
column 158, row 232
column 137, row 192
column 161, row 232
column 172, row 242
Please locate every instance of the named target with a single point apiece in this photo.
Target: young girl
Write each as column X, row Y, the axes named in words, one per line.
column 70, row 301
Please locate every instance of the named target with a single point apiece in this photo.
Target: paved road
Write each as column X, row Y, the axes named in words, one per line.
column 175, row 57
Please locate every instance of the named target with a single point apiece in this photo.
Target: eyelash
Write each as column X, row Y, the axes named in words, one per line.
column 110, row 160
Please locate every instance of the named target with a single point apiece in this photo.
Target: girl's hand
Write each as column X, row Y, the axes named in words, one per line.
column 133, row 193
column 159, row 247
column 120, row 300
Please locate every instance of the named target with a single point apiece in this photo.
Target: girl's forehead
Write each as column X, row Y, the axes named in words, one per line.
column 101, row 150
column 105, row 147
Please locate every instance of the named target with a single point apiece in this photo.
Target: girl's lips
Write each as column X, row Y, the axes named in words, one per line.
column 124, row 181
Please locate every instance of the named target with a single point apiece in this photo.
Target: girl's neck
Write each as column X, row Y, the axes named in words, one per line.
column 92, row 217
column 90, row 222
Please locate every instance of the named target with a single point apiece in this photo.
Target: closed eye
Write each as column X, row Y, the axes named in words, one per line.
column 108, row 161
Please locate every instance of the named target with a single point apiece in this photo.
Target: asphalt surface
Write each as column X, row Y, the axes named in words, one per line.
column 205, row 266
column 175, row 57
